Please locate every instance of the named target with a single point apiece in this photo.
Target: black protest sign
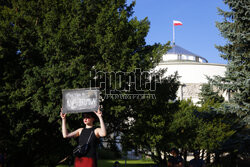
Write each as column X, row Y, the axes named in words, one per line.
column 80, row 100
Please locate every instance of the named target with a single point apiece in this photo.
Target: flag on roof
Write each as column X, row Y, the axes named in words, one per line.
column 177, row 23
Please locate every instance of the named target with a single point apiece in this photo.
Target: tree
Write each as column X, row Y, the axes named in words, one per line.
column 235, row 28
column 184, row 127
column 209, row 94
column 211, row 134
column 149, row 132
column 50, row 45
column 215, row 127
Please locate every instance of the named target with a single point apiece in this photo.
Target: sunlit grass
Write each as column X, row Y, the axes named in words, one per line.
column 129, row 163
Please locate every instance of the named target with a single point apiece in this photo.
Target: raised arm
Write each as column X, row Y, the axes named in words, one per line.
column 101, row 132
column 65, row 133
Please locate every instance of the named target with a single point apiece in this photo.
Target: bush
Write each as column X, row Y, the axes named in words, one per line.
column 108, row 154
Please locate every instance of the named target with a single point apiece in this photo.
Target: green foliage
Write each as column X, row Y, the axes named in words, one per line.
column 149, row 131
column 212, row 134
column 162, row 124
column 50, row 45
column 215, row 127
column 235, row 28
column 200, row 128
column 107, row 154
column 183, row 126
column 208, row 94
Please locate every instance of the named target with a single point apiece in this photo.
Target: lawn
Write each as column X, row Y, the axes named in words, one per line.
column 129, row 163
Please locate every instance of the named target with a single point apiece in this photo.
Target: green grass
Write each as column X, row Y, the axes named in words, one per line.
column 129, row 163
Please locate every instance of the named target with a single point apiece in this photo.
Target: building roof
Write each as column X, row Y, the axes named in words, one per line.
column 179, row 50
column 183, row 55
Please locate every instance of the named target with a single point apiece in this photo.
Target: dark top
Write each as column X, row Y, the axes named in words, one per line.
column 93, row 142
column 196, row 162
column 1, row 159
column 175, row 160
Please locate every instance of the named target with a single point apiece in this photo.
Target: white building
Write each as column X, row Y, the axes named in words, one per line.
column 192, row 70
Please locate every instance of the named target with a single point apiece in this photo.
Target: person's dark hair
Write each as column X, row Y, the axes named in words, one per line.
column 92, row 114
column 196, row 153
column 116, row 162
column 175, row 150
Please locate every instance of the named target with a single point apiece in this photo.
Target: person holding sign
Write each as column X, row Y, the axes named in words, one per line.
column 89, row 135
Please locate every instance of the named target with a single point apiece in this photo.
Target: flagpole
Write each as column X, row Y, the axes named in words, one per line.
column 175, row 23
column 173, row 34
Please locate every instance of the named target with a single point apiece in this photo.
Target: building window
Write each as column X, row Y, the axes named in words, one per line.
column 179, row 56
column 197, row 59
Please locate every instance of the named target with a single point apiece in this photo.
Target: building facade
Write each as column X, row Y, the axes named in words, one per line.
column 192, row 69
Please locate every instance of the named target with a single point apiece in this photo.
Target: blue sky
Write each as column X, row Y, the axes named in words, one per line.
column 198, row 33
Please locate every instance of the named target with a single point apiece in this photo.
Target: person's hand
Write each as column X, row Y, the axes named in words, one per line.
column 98, row 113
column 63, row 115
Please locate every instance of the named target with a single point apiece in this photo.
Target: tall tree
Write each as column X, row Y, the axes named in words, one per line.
column 208, row 94
column 149, row 129
column 50, row 45
column 235, row 28
column 183, row 127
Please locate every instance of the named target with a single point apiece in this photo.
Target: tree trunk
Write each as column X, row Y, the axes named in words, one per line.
column 203, row 152
column 217, row 157
column 185, row 157
column 208, row 158
column 233, row 159
column 162, row 162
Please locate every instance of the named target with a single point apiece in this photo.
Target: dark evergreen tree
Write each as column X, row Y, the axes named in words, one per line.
column 149, row 132
column 209, row 94
column 215, row 126
column 183, row 128
column 235, row 28
column 50, row 45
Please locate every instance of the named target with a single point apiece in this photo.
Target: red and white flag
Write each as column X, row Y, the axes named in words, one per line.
column 177, row 23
